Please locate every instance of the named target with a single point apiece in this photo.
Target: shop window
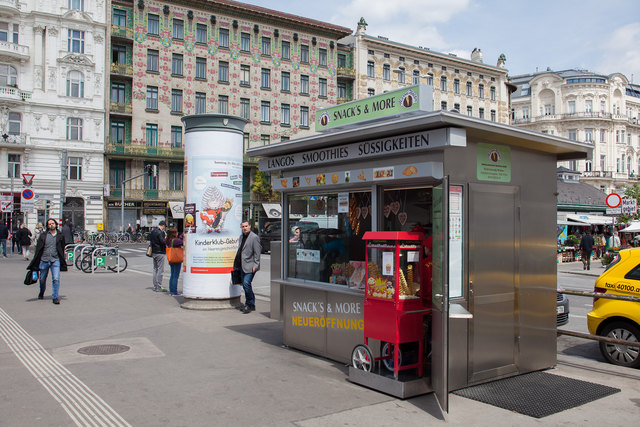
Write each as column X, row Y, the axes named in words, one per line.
column 325, row 241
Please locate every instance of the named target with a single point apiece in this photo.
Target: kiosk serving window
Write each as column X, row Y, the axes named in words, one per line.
column 325, row 237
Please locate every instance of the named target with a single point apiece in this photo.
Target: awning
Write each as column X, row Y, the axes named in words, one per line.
column 273, row 210
column 634, row 227
column 581, row 219
column 177, row 209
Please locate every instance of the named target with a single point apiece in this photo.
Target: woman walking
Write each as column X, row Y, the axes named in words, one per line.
column 24, row 236
column 175, row 257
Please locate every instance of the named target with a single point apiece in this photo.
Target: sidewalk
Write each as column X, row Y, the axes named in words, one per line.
column 577, row 268
column 204, row 368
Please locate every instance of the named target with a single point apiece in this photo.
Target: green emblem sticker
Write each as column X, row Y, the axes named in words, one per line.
column 100, row 261
column 494, row 163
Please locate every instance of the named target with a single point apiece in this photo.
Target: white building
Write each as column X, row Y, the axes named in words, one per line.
column 52, row 106
column 584, row 106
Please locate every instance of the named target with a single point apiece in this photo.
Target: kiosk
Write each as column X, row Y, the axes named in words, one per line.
column 484, row 192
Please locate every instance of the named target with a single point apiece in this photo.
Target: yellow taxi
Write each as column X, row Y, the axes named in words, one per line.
column 618, row 319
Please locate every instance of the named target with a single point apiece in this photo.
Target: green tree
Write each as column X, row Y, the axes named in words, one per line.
column 261, row 187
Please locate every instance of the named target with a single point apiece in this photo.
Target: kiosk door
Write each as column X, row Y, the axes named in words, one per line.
column 493, row 258
column 440, row 295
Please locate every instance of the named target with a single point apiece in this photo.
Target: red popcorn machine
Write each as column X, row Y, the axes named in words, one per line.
column 396, row 300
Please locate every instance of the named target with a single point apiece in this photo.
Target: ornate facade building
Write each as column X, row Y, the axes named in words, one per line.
column 173, row 58
column 601, row 110
column 373, row 65
column 52, row 71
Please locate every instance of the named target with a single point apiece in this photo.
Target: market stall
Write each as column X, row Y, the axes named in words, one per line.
column 482, row 192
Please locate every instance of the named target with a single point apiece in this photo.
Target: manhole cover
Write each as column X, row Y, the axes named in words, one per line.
column 103, row 349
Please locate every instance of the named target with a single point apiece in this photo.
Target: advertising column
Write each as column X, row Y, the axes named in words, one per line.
column 213, row 211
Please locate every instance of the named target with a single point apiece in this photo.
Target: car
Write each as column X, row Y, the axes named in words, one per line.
column 562, row 309
column 273, row 232
column 615, row 318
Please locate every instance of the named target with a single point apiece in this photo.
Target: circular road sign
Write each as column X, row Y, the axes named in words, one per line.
column 27, row 194
column 614, row 200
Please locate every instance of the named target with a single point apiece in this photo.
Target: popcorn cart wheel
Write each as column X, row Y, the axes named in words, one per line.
column 362, row 358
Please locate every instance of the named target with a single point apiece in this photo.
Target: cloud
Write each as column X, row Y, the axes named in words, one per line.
column 620, row 52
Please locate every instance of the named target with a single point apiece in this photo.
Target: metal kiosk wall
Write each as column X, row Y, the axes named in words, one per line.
column 484, row 191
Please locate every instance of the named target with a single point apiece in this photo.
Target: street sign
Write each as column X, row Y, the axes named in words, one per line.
column 629, row 206
column 27, row 197
column 28, row 178
column 613, row 200
column 100, row 261
column 6, row 205
column 69, row 256
column 28, row 194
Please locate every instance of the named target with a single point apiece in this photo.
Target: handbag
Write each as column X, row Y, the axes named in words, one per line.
column 175, row 255
column 236, row 276
column 31, row 277
column 149, row 251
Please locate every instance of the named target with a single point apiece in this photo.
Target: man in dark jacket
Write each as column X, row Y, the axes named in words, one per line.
column 159, row 253
column 67, row 232
column 248, row 261
column 586, row 247
column 4, row 235
column 49, row 254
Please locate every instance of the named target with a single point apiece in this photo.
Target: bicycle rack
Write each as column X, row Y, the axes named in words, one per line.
column 104, row 251
column 70, row 249
column 80, row 248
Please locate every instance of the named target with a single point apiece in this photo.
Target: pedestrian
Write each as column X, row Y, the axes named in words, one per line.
column 15, row 243
column 614, row 240
column 175, row 257
column 67, row 233
column 158, row 253
column 38, row 231
column 49, row 255
column 586, row 247
column 248, row 262
column 24, row 236
column 4, row 235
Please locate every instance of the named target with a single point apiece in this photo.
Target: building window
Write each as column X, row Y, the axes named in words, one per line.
column 74, row 168
column 153, row 24
column 116, row 173
column 571, row 107
column 13, row 163
column 456, row 107
column 285, row 119
column 8, row 75
column 201, row 103
column 525, row 112
column 603, row 107
column 152, row 135
column 245, row 75
column 456, row 85
column 481, row 91
column 493, row 115
column 75, row 84
column 587, row 166
column 223, row 37
column 492, row 93
column 119, row 17
column 469, row 110
column 371, row 92
column 286, row 81
column 153, row 57
column 342, row 90
column 265, row 139
column 603, row 135
column 176, row 137
column 548, row 110
column 304, row 117
column 443, row 105
column 603, row 162
column 588, row 135
column 286, row 50
column 74, row 129
column 285, row 138
column 223, row 104
column 430, row 79
column 118, row 92
column 401, row 73
column 370, row 69
column 415, row 79
column 322, row 88
column 342, row 60
column 178, row 29
column 176, row 100
column 386, row 72
column 443, row 83
column 244, row 108
column 304, row 85
column 481, row 113
column 75, row 43
column 266, row 46
column 5, row 33
column 588, row 106
column 265, row 112
column 245, row 42
column 322, row 57
column 152, row 98
column 223, row 71
column 265, row 78
column 76, row 5
column 201, row 68
column 150, row 182
column 176, row 176
column 176, row 64
column 304, row 53
column 573, row 134
column 469, row 89
column 201, row 33
column 117, row 132
column 15, row 122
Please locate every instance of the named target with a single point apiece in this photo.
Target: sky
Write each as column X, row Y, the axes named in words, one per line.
column 595, row 35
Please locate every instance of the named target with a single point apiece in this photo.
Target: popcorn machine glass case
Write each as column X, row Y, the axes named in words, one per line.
column 393, row 307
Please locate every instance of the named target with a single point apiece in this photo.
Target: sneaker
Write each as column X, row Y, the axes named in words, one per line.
column 175, row 294
column 56, row 300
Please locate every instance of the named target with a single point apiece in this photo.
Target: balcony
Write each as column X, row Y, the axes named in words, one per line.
column 346, row 72
column 13, row 141
column 124, row 69
column 122, row 32
column 343, row 100
column 120, row 107
column 8, row 94
column 586, row 115
column 13, row 50
column 148, row 194
column 129, row 150
column 597, row 174
column 10, row 7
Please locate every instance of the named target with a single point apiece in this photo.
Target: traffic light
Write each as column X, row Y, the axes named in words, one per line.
column 149, row 170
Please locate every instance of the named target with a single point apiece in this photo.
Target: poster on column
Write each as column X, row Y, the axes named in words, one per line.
column 215, row 192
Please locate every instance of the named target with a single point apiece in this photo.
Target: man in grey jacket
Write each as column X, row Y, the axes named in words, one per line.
column 248, row 261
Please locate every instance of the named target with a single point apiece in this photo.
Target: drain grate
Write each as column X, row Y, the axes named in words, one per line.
column 103, row 349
